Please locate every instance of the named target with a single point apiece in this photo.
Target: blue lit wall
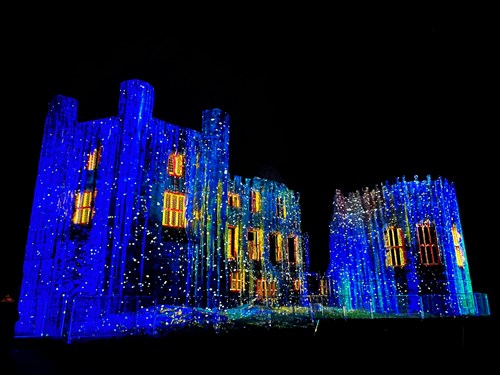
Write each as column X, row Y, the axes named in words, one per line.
column 125, row 251
column 292, row 266
column 358, row 272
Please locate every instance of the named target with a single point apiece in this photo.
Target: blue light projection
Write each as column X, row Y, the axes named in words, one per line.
column 137, row 227
column 399, row 248
column 133, row 216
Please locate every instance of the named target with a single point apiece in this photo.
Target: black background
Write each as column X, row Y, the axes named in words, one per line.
column 321, row 99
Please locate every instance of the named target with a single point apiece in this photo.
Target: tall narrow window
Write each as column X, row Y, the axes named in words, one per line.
column 427, row 244
column 275, row 247
column 174, row 210
column 254, row 244
column 261, row 288
column 292, row 249
column 457, row 242
column 93, row 159
column 271, row 288
column 280, row 208
column 175, row 166
column 296, row 285
column 255, row 201
column 83, row 208
column 395, row 254
column 233, row 200
column 323, row 287
column 232, row 242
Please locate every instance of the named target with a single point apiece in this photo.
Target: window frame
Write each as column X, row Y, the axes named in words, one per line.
column 427, row 242
column 175, row 164
column 254, row 247
column 83, row 209
column 395, row 247
column 174, row 210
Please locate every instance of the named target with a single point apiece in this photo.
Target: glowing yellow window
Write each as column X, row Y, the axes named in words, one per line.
column 457, row 242
column 232, row 242
column 394, row 247
column 271, row 288
column 255, row 205
column 266, row 289
column 174, row 210
column 275, row 247
column 175, row 165
column 323, row 287
column 83, row 207
column 233, row 200
column 236, row 281
column 296, row 285
column 93, row 159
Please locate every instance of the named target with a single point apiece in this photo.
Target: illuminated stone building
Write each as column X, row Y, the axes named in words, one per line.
column 399, row 248
column 133, row 216
column 131, row 211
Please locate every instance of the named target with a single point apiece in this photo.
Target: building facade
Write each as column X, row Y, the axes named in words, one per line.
column 133, row 208
column 133, row 215
column 398, row 248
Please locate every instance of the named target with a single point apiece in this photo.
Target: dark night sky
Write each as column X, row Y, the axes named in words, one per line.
column 345, row 102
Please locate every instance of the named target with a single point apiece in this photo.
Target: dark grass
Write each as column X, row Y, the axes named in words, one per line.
column 400, row 346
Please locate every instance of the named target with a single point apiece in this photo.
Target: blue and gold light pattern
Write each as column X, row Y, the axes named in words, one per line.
column 127, row 254
column 358, row 270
